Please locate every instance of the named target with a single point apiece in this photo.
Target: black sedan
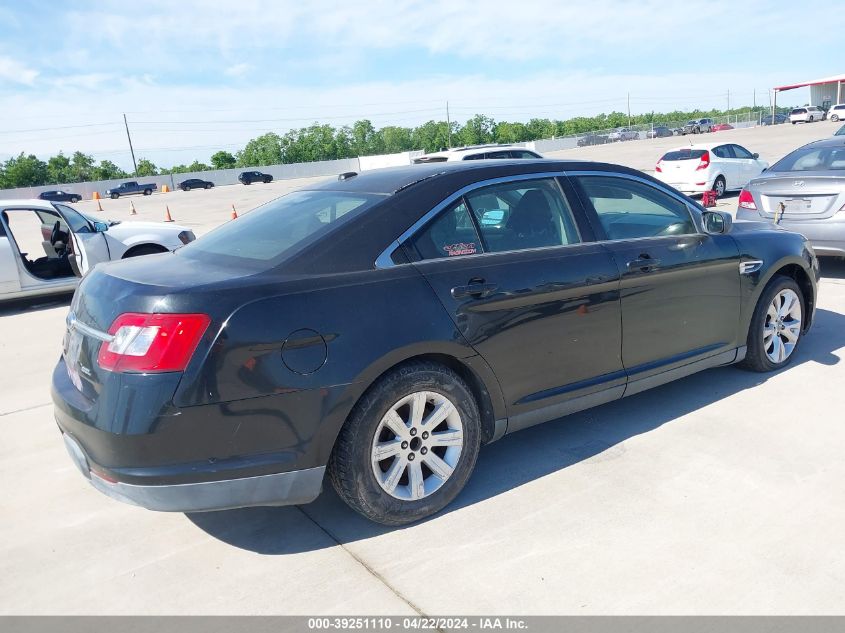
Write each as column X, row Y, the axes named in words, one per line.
column 659, row 131
column 60, row 196
column 382, row 327
column 249, row 177
column 195, row 183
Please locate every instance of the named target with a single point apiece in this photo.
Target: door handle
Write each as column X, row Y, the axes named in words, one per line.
column 644, row 262
column 476, row 290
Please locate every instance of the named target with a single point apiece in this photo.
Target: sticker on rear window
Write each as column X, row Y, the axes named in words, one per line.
column 462, row 248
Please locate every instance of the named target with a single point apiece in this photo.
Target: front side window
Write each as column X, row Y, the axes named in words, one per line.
column 629, row 209
column 523, row 214
column 741, row 152
column 450, row 234
column 78, row 223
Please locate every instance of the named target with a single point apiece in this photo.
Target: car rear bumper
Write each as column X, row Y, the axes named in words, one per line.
column 288, row 488
column 827, row 235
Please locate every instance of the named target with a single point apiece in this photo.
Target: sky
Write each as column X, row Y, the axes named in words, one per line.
column 193, row 77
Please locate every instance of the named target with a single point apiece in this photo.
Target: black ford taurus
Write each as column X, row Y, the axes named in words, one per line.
column 383, row 326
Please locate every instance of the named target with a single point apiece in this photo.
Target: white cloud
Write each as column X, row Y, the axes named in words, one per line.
column 14, row 71
column 237, row 70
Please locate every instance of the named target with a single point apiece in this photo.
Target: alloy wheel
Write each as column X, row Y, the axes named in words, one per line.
column 417, row 445
column 782, row 327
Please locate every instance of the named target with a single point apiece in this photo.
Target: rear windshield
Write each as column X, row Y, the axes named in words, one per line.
column 263, row 238
column 798, row 111
column 812, row 159
column 684, row 154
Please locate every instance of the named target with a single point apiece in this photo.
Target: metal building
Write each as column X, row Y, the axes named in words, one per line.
column 823, row 92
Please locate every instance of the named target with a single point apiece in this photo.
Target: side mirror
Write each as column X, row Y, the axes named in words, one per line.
column 101, row 227
column 755, row 155
column 716, row 222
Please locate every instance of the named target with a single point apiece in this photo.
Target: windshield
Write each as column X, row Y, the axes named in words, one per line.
column 263, row 238
column 812, row 159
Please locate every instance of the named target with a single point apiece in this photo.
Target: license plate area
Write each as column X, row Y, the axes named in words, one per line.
column 797, row 205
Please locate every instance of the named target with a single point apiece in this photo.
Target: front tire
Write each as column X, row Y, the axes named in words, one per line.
column 719, row 186
column 185, row 188
column 776, row 327
column 409, row 445
column 115, row 196
column 75, row 199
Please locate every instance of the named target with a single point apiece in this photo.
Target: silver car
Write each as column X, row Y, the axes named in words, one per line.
column 803, row 192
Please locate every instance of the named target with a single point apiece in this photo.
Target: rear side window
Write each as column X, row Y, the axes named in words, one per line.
column 265, row 237
column 523, row 214
column 723, row 151
column 629, row 209
column 684, row 154
column 451, row 234
column 521, row 153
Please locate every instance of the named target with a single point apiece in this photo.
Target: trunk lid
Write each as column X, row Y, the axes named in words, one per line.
column 803, row 196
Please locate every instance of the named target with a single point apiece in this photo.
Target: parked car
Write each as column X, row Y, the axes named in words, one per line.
column 477, row 152
column 195, row 183
column 719, row 127
column 659, row 131
column 130, row 188
column 840, row 131
column 807, row 114
column 805, row 192
column 59, row 196
column 257, row 380
column 836, row 112
column 249, row 177
column 592, row 139
column 719, row 167
column 623, row 134
column 698, row 126
column 777, row 119
column 45, row 246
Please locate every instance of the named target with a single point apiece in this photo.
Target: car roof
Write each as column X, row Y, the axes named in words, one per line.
column 833, row 141
column 27, row 202
column 707, row 146
column 470, row 149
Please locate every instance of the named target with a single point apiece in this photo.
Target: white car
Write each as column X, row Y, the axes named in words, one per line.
column 477, row 152
column 719, row 167
column 836, row 112
column 46, row 246
column 807, row 114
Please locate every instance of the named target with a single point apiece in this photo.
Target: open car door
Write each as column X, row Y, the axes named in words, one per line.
column 89, row 249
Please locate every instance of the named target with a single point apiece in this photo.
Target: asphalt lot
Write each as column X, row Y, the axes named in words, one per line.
column 718, row 494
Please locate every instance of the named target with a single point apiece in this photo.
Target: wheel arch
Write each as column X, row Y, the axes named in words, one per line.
column 473, row 370
column 130, row 252
column 793, row 267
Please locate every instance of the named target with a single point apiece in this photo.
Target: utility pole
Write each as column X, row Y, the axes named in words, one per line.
column 755, row 98
column 448, row 124
column 729, row 100
column 131, row 151
column 629, row 109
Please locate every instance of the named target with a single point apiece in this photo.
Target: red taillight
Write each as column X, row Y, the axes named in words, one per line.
column 152, row 342
column 657, row 167
column 704, row 161
column 746, row 200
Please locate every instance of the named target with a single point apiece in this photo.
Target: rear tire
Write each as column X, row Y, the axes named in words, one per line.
column 148, row 192
column 75, row 199
column 776, row 326
column 423, row 467
column 834, row 117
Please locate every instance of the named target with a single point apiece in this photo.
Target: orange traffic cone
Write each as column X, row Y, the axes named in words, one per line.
column 132, row 210
column 167, row 217
column 234, row 213
column 95, row 195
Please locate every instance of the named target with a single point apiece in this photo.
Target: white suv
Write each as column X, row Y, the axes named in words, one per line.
column 807, row 114
column 836, row 112
column 478, row 152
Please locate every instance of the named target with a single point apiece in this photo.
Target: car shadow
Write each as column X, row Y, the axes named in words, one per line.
column 35, row 304
column 520, row 458
column 832, row 267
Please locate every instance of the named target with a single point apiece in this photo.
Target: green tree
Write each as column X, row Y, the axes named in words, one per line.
column 107, row 170
column 58, row 169
column 263, row 150
column 25, row 171
column 396, row 139
column 510, row 132
column 478, row 130
column 365, row 139
column 431, row 136
column 223, row 160
column 146, row 168
column 81, row 167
